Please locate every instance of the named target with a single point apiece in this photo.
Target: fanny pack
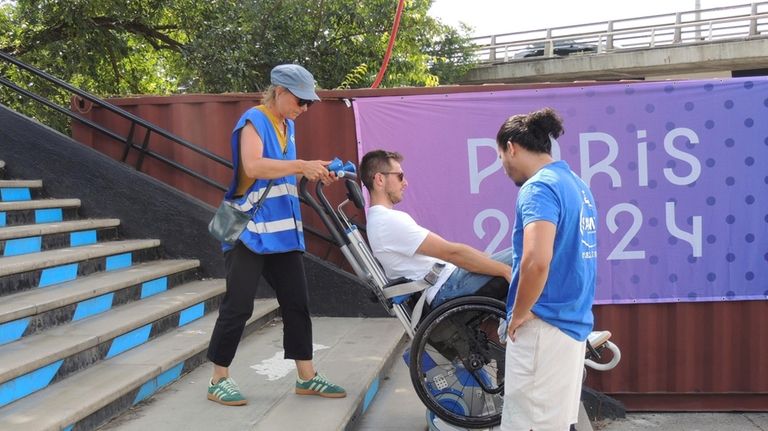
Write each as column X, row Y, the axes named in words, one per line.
column 229, row 222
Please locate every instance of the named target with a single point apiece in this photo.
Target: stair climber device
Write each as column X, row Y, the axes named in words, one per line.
column 456, row 359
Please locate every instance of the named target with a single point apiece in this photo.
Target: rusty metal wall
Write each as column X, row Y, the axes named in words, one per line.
column 687, row 356
column 675, row 357
column 203, row 120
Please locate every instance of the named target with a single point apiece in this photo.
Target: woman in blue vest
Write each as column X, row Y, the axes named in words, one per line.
column 264, row 150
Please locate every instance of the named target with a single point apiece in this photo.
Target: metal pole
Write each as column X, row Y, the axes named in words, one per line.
column 609, row 38
column 753, row 20
column 697, row 17
column 549, row 47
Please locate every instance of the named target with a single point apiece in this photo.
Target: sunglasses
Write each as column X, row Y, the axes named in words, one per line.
column 300, row 101
column 400, row 175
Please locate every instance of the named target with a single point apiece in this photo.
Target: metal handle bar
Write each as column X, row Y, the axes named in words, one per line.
column 347, row 176
column 324, row 209
column 609, row 365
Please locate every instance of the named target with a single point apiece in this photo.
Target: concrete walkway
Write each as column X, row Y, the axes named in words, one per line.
column 687, row 421
column 350, row 351
column 398, row 408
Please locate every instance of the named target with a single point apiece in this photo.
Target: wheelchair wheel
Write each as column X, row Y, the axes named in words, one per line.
column 457, row 362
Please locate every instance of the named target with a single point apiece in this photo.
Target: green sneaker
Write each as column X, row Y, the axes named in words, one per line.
column 226, row 392
column 319, row 385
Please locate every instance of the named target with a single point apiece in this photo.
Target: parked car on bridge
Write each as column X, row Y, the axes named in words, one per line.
column 561, row 48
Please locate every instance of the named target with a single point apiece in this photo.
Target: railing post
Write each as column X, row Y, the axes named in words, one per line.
column 128, row 141
column 678, row 30
column 143, row 151
column 549, row 46
column 609, row 37
column 697, row 17
column 753, row 20
column 492, row 52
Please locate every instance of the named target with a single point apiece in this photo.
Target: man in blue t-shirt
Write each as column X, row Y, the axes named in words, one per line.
column 549, row 307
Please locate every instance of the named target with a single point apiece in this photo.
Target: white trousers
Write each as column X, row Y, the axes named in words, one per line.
column 542, row 383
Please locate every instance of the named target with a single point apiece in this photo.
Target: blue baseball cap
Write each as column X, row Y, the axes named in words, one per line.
column 296, row 79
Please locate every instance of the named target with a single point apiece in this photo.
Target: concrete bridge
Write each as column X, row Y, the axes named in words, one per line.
column 717, row 42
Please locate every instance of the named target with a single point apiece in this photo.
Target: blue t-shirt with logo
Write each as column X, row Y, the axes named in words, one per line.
column 556, row 194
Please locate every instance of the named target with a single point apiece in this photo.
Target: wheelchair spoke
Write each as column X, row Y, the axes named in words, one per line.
column 457, row 364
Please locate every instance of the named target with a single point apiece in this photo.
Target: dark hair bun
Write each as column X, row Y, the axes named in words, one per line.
column 544, row 122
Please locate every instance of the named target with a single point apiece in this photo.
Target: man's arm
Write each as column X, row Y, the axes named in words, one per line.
column 538, row 245
column 463, row 256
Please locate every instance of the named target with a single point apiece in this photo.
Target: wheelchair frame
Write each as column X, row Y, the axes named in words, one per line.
column 447, row 403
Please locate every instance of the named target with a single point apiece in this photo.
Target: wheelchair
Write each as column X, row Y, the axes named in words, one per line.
column 456, row 358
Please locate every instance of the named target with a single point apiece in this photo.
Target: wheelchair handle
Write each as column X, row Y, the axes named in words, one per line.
column 348, row 176
column 609, row 365
column 324, row 217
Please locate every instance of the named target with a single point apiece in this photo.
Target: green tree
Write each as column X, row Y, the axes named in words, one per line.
column 235, row 47
column 120, row 47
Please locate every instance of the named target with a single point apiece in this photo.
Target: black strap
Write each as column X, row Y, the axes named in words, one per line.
column 263, row 196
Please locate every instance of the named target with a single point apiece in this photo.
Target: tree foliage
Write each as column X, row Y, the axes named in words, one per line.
column 120, row 47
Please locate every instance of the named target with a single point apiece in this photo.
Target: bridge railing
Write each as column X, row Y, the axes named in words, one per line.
column 688, row 27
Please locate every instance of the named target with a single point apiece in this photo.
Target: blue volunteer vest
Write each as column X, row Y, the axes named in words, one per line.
column 276, row 227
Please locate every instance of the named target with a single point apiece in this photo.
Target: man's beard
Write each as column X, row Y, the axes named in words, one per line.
column 393, row 198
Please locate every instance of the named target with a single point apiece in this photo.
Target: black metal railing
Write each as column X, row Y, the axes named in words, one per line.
column 128, row 141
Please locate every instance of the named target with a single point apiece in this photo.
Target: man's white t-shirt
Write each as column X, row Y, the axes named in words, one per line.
column 394, row 237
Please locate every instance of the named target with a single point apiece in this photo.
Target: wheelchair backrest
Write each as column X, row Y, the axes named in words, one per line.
column 356, row 250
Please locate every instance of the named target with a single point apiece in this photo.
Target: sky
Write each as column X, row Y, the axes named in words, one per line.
column 508, row 16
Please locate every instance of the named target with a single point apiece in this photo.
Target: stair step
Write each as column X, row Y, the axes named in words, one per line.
column 17, row 264
column 20, row 190
column 25, row 231
column 52, row 355
column 39, row 204
column 26, row 313
column 29, row 184
column 95, row 394
column 352, row 352
column 56, row 266
column 25, row 239
column 38, row 211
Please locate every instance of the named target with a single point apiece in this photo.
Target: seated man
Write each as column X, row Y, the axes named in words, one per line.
column 408, row 250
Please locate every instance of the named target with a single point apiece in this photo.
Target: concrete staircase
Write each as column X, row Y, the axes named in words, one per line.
column 91, row 324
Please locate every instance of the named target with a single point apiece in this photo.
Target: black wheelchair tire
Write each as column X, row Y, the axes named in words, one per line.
column 453, row 307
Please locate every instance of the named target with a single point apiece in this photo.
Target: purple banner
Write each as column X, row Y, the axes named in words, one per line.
column 678, row 170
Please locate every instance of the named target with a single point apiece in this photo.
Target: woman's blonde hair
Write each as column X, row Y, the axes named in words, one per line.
column 269, row 95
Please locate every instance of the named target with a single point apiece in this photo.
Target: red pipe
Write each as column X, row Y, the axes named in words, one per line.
column 391, row 45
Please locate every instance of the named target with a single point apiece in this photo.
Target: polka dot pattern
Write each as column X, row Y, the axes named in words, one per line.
column 724, row 200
